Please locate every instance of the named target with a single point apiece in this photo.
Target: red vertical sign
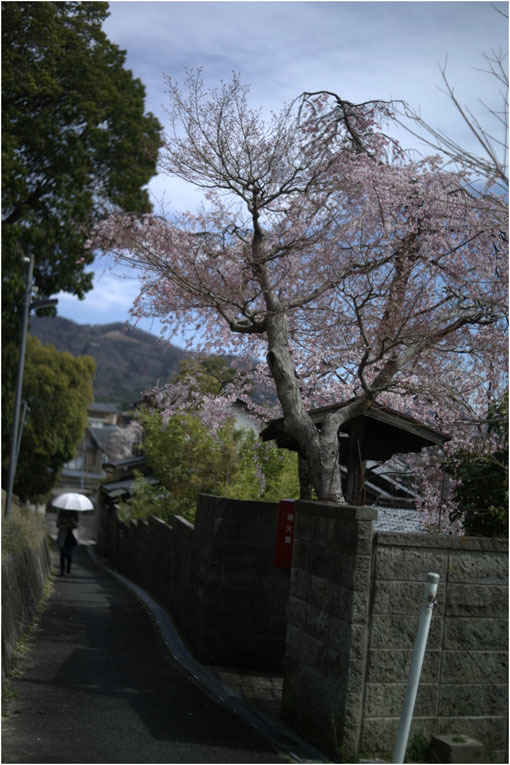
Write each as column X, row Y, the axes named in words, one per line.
column 285, row 533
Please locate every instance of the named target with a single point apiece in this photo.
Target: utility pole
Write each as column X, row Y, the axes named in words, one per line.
column 16, row 430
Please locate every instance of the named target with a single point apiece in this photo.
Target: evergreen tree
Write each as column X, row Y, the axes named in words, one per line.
column 75, row 138
column 481, row 493
column 58, row 389
column 75, row 142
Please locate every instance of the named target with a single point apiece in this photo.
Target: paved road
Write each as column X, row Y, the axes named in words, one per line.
column 98, row 686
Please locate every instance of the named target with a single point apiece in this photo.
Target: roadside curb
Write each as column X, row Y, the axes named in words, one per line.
column 279, row 735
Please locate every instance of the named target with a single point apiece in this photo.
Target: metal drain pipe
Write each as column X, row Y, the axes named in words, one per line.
column 429, row 601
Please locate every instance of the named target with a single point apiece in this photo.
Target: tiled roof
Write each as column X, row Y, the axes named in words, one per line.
column 105, row 408
column 399, row 520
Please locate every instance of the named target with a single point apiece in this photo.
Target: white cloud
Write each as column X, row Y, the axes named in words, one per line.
column 109, row 301
column 361, row 50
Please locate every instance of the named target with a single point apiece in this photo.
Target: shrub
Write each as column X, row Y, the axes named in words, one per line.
column 187, row 460
column 24, row 528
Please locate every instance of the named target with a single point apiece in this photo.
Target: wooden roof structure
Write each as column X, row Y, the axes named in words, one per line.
column 386, row 431
column 377, row 434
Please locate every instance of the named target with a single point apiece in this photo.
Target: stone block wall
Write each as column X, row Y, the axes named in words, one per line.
column 24, row 576
column 327, row 630
column 216, row 577
column 463, row 688
column 247, row 596
column 354, row 606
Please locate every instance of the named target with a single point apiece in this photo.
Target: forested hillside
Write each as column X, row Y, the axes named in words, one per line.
column 129, row 361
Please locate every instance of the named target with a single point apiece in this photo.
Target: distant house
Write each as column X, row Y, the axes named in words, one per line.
column 243, row 419
column 102, row 414
column 85, row 471
column 109, row 435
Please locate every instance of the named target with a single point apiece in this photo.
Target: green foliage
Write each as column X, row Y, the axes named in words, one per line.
column 58, row 389
column 74, row 137
column 75, row 142
column 149, row 499
column 187, row 460
column 482, row 492
column 211, row 374
column 262, row 471
column 22, row 529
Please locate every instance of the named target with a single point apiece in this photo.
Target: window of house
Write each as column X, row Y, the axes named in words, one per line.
column 76, row 464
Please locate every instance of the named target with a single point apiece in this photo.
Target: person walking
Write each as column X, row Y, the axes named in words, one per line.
column 67, row 539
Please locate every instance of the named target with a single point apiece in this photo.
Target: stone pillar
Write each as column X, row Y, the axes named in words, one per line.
column 327, row 630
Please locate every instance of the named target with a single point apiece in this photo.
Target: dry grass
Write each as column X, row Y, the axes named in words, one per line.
column 24, row 528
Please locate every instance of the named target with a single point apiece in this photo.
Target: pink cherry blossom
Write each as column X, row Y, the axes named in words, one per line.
column 352, row 269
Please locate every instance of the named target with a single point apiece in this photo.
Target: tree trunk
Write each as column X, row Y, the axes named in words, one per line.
column 320, row 449
column 326, row 470
column 323, row 453
column 305, row 484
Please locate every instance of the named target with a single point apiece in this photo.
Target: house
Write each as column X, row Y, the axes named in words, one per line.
column 102, row 414
column 243, row 420
column 84, row 472
column 110, row 435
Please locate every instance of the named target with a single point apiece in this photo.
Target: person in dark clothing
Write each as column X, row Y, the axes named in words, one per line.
column 67, row 524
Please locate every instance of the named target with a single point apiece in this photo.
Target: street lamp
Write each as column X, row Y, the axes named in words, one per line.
column 28, row 305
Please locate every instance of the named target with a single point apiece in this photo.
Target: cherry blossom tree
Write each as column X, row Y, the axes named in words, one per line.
column 359, row 273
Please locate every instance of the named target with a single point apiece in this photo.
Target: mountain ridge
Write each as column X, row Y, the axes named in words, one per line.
column 129, row 360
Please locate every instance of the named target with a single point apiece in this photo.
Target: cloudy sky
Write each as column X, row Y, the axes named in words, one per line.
column 360, row 50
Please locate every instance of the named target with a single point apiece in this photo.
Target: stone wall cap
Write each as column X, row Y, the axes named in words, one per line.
column 210, row 499
column 333, row 509
column 157, row 521
column 484, row 544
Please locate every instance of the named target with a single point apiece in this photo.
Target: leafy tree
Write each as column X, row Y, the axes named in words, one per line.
column 248, row 469
column 187, row 459
column 263, row 471
column 190, row 454
column 148, row 499
column 58, row 389
column 360, row 273
column 481, row 493
column 75, row 141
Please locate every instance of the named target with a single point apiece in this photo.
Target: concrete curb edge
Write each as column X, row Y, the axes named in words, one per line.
column 279, row 736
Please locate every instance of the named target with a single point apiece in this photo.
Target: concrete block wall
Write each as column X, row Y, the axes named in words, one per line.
column 247, row 596
column 217, row 577
column 24, row 576
column 354, row 606
column 187, row 584
column 463, row 687
column 327, row 630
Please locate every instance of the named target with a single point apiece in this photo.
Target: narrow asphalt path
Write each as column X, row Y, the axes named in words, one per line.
column 98, row 686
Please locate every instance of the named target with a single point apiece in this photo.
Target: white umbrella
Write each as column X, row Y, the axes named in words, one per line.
column 72, row 501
